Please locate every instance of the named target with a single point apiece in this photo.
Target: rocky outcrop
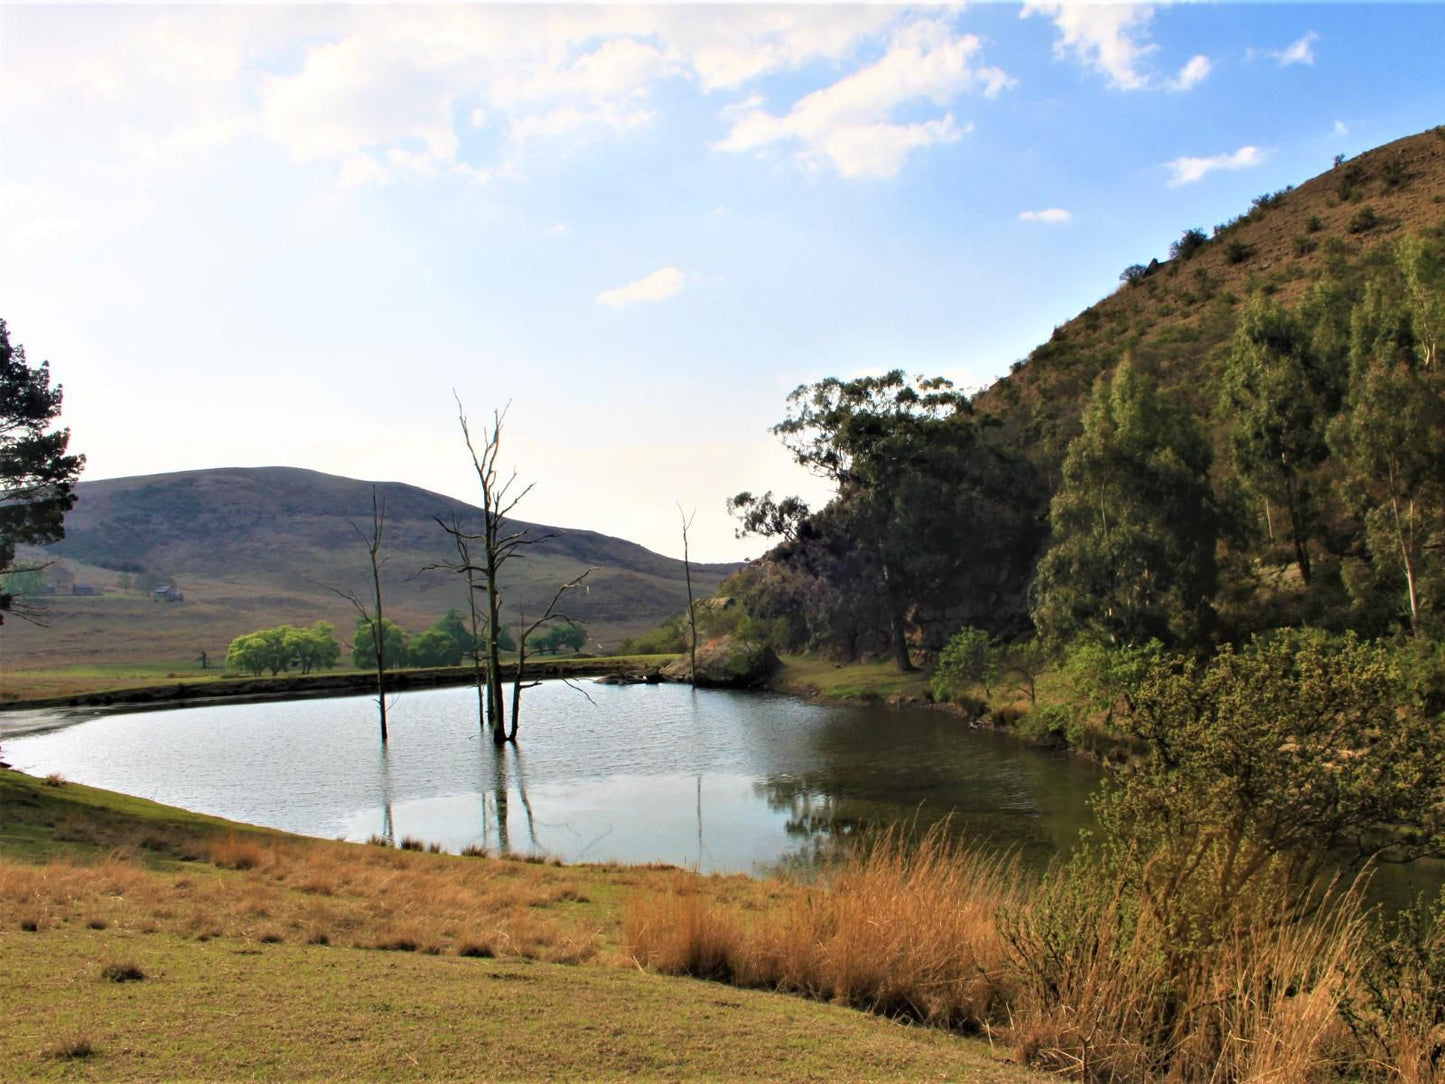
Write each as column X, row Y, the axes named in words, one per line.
column 726, row 663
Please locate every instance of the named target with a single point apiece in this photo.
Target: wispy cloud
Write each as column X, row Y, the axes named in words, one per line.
column 1187, row 169
column 661, row 284
column 1108, row 38
column 1299, row 52
column 1052, row 216
column 1113, row 40
column 848, row 124
column 1192, row 74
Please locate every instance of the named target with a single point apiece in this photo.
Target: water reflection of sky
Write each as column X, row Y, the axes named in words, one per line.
column 711, row 780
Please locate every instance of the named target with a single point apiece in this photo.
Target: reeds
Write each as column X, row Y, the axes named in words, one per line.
column 1068, row 967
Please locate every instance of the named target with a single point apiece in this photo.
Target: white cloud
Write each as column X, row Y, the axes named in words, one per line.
column 1187, row 170
column 1340, row 128
column 1298, row 52
column 1051, row 216
column 1192, row 74
column 663, row 283
column 848, row 123
column 1108, row 38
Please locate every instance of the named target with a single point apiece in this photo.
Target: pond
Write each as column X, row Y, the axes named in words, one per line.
column 717, row 781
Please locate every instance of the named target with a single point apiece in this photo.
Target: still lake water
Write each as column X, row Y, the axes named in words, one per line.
column 718, row 781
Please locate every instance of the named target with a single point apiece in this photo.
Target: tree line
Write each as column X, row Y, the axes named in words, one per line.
column 449, row 642
column 1303, row 484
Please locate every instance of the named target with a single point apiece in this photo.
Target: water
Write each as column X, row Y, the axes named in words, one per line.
column 718, row 781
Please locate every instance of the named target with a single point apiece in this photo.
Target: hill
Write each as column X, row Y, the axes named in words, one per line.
column 255, row 547
column 1178, row 317
column 1271, row 345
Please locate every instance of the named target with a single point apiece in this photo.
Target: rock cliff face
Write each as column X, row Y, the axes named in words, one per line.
column 726, row 663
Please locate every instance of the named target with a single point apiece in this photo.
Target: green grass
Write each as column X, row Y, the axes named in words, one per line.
column 221, row 921
column 877, row 680
column 228, row 1011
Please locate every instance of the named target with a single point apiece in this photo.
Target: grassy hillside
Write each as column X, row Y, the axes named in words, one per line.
column 154, row 944
column 254, row 548
column 1178, row 319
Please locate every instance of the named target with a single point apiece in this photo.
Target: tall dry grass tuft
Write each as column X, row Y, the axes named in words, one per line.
column 683, row 932
column 1108, row 992
column 905, row 929
column 233, row 852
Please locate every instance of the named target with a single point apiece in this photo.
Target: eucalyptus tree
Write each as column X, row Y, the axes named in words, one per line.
column 1277, row 394
column 1134, row 523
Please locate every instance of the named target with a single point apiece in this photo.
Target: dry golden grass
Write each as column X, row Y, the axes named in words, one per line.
column 903, row 930
column 314, row 893
column 1076, row 978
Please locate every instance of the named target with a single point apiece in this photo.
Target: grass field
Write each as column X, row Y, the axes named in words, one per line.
column 152, row 943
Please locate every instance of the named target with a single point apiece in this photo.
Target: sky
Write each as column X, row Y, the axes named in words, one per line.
column 298, row 235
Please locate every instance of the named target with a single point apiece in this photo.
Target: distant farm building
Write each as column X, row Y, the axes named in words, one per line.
column 84, row 589
column 167, row 594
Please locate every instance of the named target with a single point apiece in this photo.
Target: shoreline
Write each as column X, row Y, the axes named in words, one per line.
column 51, row 713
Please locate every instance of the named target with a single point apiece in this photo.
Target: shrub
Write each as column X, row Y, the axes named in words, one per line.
column 119, row 972
column 1190, row 242
column 1238, row 252
column 1365, row 220
column 969, row 658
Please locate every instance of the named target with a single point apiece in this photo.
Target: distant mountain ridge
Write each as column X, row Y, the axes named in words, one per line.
column 252, row 547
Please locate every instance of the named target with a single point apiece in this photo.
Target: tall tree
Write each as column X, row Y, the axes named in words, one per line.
column 37, row 478
column 1390, row 436
column 1133, row 557
column 923, row 500
column 1277, row 395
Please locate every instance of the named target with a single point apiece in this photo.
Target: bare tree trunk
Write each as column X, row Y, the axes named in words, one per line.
column 371, row 611
column 691, row 606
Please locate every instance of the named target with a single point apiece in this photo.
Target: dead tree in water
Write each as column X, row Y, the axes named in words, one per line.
column 691, row 606
column 370, row 611
column 464, row 565
column 499, row 543
column 550, row 614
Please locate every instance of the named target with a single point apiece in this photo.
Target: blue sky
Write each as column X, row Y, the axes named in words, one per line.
column 284, row 235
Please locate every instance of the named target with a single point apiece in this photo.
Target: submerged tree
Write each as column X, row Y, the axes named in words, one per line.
column 481, row 558
column 37, row 478
column 369, row 609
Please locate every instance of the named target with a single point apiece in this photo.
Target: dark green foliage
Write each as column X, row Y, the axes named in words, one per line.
column 1237, row 251
column 1389, row 438
column 395, row 646
column 557, row 639
column 969, row 658
column 1292, row 751
column 435, row 647
column 1135, row 272
column 1190, row 242
column 1365, row 219
column 1278, row 394
column 929, row 507
column 1134, row 523
column 37, row 478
